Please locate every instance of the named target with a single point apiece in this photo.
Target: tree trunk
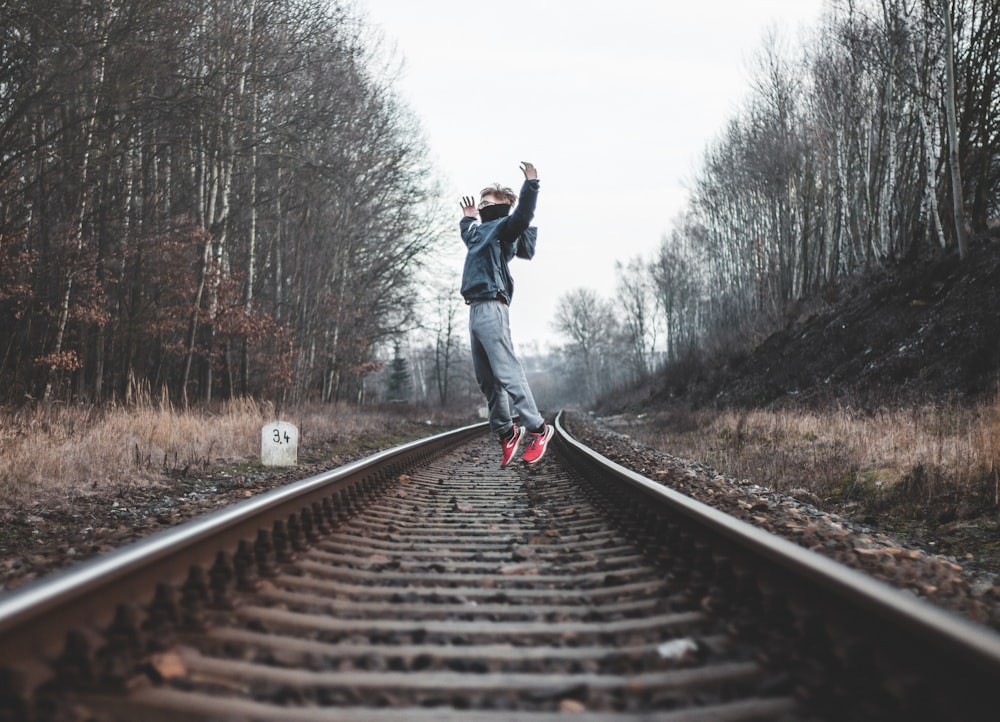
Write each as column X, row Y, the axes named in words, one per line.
column 82, row 210
column 957, row 194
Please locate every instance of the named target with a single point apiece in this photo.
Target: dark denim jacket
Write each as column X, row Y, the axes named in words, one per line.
column 492, row 245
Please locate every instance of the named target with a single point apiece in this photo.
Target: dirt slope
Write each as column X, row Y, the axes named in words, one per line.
column 896, row 335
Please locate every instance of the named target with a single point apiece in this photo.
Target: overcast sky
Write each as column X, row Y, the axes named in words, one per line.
column 613, row 101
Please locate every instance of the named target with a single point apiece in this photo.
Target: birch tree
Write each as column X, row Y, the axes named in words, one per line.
column 954, row 162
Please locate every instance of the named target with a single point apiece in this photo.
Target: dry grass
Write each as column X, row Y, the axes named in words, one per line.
column 51, row 455
column 933, row 460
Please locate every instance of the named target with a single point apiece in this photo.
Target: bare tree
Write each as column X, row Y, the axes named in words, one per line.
column 673, row 275
column 636, row 301
column 954, row 162
column 447, row 307
column 588, row 321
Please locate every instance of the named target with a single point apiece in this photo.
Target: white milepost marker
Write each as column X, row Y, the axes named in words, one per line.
column 279, row 444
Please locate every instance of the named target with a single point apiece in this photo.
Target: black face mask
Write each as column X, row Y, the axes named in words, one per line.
column 491, row 213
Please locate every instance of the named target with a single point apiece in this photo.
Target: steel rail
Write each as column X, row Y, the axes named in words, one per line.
column 35, row 619
column 946, row 632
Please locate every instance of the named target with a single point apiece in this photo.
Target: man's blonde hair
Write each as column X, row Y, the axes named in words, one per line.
column 502, row 192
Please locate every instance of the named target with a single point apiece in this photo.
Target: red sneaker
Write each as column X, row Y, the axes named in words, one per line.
column 511, row 445
column 537, row 443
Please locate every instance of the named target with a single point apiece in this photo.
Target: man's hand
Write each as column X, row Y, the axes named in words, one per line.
column 469, row 206
column 529, row 170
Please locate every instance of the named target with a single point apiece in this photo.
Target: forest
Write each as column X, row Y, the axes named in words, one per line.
column 227, row 198
column 210, row 198
column 874, row 143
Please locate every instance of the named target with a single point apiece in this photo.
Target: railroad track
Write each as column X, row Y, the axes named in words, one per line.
column 426, row 584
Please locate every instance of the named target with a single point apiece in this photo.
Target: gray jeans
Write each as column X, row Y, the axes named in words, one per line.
column 499, row 373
